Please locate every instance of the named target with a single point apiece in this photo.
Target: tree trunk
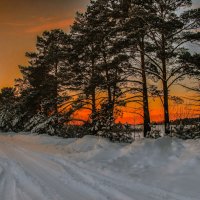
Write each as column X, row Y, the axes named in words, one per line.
column 146, row 113
column 56, row 99
column 165, row 89
column 109, row 91
column 56, row 89
column 93, row 93
column 166, row 108
column 114, row 93
column 110, row 107
column 93, row 103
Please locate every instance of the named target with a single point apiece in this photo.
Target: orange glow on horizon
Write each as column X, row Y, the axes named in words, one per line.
column 128, row 116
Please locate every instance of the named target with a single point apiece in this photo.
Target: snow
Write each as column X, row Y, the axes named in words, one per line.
column 40, row 167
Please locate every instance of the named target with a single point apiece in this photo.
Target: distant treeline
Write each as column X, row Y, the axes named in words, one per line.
column 186, row 121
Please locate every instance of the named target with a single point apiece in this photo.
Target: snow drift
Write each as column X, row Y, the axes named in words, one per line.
column 51, row 168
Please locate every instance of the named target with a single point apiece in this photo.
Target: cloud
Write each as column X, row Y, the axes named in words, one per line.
column 14, row 24
column 50, row 25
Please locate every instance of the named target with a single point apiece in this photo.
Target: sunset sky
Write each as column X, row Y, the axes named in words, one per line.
column 22, row 20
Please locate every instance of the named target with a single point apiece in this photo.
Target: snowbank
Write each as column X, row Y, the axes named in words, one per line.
column 44, row 167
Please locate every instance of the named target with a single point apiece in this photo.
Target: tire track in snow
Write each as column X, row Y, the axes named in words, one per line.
column 15, row 183
column 43, row 173
column 27, row 175
column 118, row 188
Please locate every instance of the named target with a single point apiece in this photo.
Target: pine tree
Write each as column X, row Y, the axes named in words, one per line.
column 168, row 32
column 113, row 60
column 131, row 15
column 41, row 83
column 83, row 60
column 191, row 63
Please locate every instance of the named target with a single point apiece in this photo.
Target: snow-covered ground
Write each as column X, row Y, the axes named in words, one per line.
column 49, row 168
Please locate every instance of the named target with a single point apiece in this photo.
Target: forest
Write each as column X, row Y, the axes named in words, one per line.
column 117, row 53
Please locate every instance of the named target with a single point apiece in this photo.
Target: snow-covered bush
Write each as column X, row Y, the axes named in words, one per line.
column 115, row 133
column 11, row 117
column 5, row 120
column 75, row 131
column 102, row 120
column 103, row 124
column 41, row 124
column 187, row 132
column 154, row 133
column 121, row 133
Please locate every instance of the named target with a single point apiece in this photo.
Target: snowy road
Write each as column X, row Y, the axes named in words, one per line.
column 44, row 168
